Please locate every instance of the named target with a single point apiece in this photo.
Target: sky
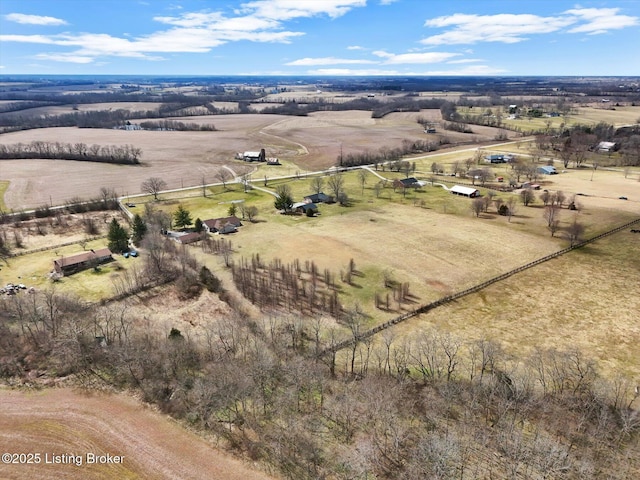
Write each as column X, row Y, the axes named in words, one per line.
column 320, row 37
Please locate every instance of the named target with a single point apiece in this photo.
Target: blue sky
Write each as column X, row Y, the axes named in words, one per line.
column 320, row 37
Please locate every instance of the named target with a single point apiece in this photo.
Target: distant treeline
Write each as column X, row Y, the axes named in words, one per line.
column 93, row 119
column 378, row 108
column 386, row 154
column 120, row 154
column 177, row 126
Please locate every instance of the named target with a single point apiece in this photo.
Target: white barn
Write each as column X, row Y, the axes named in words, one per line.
column 465, row 191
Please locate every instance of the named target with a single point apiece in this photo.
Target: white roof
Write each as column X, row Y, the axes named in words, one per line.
column 463, row 190
column 251, row 154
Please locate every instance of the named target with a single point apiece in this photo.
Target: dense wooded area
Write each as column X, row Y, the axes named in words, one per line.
column 434, row 406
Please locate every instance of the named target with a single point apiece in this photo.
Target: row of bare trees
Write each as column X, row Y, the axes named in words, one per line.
column 121, row 154
column 289, row 286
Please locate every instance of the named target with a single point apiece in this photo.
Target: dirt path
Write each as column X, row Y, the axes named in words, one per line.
column 71, row 425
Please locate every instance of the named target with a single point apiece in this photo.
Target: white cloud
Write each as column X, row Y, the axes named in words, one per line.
column 465, row 60
column 355, row 47
column 26, row 39
column 327, row 61
column 34, row 19
column 194, row 32
column 600, row 20
column 505, row 28
column 510, row 28
column 387, row 2
column 289, row 9
column 64, row 58
column 411, row 58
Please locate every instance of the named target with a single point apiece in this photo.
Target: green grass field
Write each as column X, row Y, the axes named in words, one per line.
column 4, row 184
column 33, row 271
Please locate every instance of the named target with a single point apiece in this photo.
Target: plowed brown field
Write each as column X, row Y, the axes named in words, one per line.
column 64, row 422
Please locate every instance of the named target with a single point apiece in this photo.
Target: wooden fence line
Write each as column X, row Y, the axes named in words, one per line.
column 450, row 298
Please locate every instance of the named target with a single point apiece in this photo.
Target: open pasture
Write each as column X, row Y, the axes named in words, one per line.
column 586, row 300
column 436, row 253
column 62, row 421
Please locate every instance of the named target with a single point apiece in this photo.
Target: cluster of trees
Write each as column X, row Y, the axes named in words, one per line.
column 107, row 200
column 386, row 154
column 433, row 405
column 120, row 154
column 173, row 125
column 292, row 286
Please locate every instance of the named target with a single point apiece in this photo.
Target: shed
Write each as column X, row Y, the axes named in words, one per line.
column 547, row 170
column 319, row 198
column 189, row 238
column 607, row 147
column 82, row 261
column 496, row 158
column 464, row 191
column 410, row 182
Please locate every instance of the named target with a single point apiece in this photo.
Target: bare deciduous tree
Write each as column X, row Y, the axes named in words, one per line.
column 551, row 214
column 336, row 185
column 575, row 231
column 527, row 196
column 223, row 175
column 153, row 186
column 512, row 206
column 477, row 206
column 317, row 183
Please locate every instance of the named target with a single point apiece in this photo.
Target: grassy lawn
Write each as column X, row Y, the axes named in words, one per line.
column 215, row 204
column 4, row 184
column 33, row 271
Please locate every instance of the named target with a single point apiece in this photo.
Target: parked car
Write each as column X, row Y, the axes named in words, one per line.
column 125, row 254
column 133, row 253
column 623, row 198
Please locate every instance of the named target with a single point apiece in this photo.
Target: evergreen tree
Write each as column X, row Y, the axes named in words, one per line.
column 198, row 225
column 139, row 228
column 284, row 200
column 118, row 237
column 182, row 217
column 232, row 210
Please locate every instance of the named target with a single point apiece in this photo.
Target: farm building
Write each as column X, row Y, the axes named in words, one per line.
column 254, row 156
column 607, row 147
column 465, row 191
column 409, row 182
column 82, row 261
column 304, row 207
column 319, row 198
column 496, row 158
column 222, row 225
column 547, row 170
column 189, row 238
